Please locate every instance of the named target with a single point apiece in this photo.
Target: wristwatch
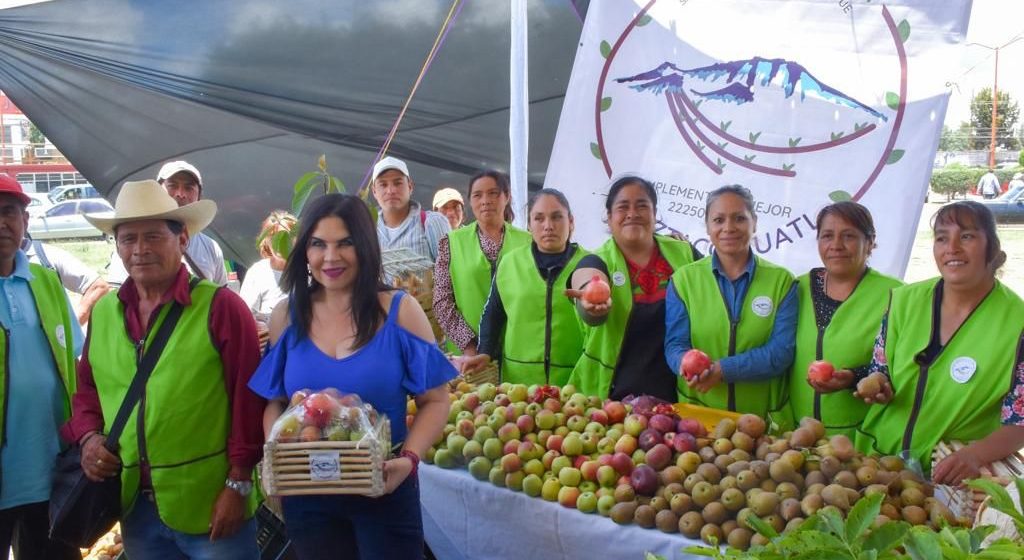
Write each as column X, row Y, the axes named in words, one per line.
column 243, row 487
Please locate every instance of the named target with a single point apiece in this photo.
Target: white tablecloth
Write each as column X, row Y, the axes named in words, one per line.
column 464, row 518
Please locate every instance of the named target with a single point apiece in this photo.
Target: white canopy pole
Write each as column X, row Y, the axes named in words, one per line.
column 519, row 111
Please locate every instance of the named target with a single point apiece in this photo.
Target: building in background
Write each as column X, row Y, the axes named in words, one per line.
column 28, row 156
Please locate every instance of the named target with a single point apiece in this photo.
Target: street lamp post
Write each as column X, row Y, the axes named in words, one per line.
column 995, row 97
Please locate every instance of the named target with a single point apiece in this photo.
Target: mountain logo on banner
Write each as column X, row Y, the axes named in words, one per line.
column 761, row 85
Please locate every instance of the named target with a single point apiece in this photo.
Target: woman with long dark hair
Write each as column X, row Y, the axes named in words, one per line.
column 344, row 328
column 467, row 258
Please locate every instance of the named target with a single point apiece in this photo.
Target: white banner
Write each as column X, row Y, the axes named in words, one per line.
column 803, row 102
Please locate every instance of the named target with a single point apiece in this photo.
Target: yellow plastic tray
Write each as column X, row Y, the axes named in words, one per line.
column 708, row 416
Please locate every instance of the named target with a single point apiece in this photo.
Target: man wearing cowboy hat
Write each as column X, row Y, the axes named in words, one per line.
column 185, row 465
column 203, row 256
column 38, row 345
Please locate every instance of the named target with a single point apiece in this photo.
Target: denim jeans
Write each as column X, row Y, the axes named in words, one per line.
column 343, row 527
column 146, row 537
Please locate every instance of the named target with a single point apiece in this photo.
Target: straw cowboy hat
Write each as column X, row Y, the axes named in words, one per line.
column 148, row 200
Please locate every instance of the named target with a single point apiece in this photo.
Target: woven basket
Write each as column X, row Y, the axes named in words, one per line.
column 327, row 467
column 969, row 503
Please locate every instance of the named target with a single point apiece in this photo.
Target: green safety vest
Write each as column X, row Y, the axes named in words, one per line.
column 471, row 272
column 957, row 397
column 595, row 370
column 186, row 414
column 847, row 342
column 55, row 318
column 543, row 337
column 719, row 335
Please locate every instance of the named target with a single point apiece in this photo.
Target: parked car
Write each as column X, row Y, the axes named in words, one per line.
column 66, row 220
column 38, row 204
column 70, row 192
column 1008, row 208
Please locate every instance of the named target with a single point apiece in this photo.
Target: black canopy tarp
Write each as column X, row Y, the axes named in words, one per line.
column 252, row 92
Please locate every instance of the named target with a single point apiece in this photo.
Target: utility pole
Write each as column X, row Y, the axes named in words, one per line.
column 995, row 97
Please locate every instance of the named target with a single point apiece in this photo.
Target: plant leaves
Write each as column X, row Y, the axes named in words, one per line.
column 762, row 528
column 645, row 19
column 886, row 537
column 839, row 196
column 922, row 544
column 894, row 156
column 301, row 196
column 833, row 523
column 861, row 516
column 596, row 150
column 606, row 103
column 892, row 100
column 336, row 185
column 904, row 30
column 999, row 498
column 868, row 555
column 606, row 49
column 281, row 243
column 306, row 178
column 694, row 550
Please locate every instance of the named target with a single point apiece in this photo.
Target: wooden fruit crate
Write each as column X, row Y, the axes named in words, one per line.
column 967, row 502
column 487, row 375
column 413, row 274
column 327, row 467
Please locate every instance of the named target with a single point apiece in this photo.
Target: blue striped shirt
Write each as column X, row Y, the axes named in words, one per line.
column 420, row 234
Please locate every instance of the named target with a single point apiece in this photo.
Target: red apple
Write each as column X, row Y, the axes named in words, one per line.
column 649, row 438
column 659, row 457
column 596, row 291
column 626, row 444
column 578, row 461
column 695, row 363
column 662, row 423
column 554, row 405
column 644, row 480
column 604, row 459
column 511, row 463
column 820, row 371
column 615, row 410
column 691, row 426
column 589, row 470
column 622, row 463
column 525, row 423
column 599, row 416
column 320, row 408
column 684, row 442
column 510, row 446
column 554, row 443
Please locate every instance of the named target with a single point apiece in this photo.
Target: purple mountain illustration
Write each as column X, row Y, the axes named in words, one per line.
column 736, row 82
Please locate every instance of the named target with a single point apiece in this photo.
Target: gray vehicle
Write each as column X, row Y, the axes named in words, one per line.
column 66, row 220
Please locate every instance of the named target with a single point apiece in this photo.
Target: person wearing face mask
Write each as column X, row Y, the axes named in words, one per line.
column 467, row 258
column 841, row 304
column 624, row 352
column 949, row 357
column 738, row 308
column 527, row 318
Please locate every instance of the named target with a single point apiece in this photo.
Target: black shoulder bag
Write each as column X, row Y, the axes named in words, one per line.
column 82, row 511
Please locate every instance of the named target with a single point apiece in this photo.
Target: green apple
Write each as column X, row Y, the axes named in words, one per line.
column 534, row 466
column 605, row 505
column 588, row 486
column 532, row 485
column 518, row 393
column 587, row 502
column 607, row 476
column 455, row 444
column 514, row 480
column 444, row 459
column 559, row 463
column 480, row 468
column 472, row 449
column 497, row 476
column 570, row 476
column 483, row 433
column 572, row 445
column 549, row 491
column 493, row 449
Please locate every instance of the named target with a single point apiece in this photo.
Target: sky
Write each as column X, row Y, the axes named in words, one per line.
column 993, row 23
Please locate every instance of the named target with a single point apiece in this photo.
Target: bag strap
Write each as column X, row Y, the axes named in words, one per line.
column 149, row 360
column 195, row 267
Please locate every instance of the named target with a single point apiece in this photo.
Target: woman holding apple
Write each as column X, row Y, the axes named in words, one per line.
column 527, row 315
column 467, row 257
column 343, row 328
column 738, row 308
column 624, row 352
column 949, row 357
column 841, row 304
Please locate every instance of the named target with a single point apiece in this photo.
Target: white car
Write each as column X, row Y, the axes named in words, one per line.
column 66, row 220
column 38, row 204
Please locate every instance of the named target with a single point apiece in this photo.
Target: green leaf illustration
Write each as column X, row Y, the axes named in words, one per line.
column 904, row 30
column 894, row 156
column 788, row 166
column 606, row 104
column 647, row 19
column 725, row 125
column 749, row 158
column 753, row 137
column 794, row 141
column 839, row 196
column 859, row 126
column 596, row 150
column 606, row 49
column 722, row 145
column 837, row 135
column 892, row 100
column 721, row 164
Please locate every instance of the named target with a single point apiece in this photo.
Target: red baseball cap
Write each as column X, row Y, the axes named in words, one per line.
column 9, row 186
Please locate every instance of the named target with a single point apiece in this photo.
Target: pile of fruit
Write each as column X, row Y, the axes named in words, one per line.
column 328, row 415
column 646, row 465
column 108, row 547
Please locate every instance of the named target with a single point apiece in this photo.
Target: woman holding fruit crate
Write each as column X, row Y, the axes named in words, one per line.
column 343, row 328
column 624, row 352
column 468, row 256
column 949, row 357
column 737, row 312
column 841, row 304
column 528, row 315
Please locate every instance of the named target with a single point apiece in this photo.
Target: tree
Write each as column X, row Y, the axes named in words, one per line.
column 955, row 140
column 1007, row 113
column 35, row 136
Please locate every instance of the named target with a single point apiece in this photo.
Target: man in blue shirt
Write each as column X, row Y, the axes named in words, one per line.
column 38, row 368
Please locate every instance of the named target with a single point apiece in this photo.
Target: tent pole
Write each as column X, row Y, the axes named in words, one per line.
column 519, row 110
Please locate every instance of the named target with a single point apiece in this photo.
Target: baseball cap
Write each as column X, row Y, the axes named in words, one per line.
column 388, row 164
column 9, row 186
column 446, row 195
column 172, row 167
